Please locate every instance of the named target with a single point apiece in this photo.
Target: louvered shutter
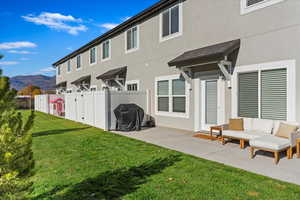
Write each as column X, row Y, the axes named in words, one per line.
column 248, row 94
column 274, row 94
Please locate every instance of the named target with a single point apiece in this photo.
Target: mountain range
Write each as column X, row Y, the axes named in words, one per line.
column 42, row 81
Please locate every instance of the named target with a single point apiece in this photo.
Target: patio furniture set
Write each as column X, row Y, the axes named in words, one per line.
column 261, row 134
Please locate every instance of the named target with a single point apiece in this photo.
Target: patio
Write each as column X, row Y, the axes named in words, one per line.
column 230, row 154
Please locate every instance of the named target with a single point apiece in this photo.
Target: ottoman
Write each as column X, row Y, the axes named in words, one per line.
column 272, row 144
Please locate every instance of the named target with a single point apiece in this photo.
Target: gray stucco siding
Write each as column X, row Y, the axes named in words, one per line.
column 267, row 35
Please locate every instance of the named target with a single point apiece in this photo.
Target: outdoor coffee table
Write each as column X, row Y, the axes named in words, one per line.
column 216, row 128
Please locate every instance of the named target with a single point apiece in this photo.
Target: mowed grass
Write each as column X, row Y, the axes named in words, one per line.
column 78, row 162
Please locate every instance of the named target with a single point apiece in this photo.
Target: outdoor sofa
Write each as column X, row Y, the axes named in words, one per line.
column 263, row 135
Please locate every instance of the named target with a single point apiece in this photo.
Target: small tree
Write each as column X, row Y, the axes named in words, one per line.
column 30, row 90
column 16, row 157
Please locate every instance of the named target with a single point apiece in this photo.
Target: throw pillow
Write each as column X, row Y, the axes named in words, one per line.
column 236, row 124
column 285, row 130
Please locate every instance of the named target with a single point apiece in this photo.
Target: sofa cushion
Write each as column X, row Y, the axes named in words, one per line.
column 277, row 124
column 248, row 124
column 285, row 130
column 263, row 125
column 270, row 142
column 236, row 124
column 246, row 135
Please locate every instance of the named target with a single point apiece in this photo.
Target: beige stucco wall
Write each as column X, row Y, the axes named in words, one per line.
column 269, row 34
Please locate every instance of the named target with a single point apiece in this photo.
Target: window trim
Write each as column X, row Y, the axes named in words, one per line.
column 58, row 71
column 69, row 63
column 289, row 65
column 78, row 69
column 138, row 40
column 69, row 91
column 91, row 64
column 174, row 35
column 109, row 52
column 133, row 82
column 266, row 3
column 93, row 87
column 187, row 96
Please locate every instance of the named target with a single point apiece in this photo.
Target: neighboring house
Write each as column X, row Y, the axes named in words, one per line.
column 203, row 61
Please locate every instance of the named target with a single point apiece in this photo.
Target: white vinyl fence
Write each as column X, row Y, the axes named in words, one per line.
column 41, row 103
column 96, row 108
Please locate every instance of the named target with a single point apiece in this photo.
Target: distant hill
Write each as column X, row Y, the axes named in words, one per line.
column 44, row 82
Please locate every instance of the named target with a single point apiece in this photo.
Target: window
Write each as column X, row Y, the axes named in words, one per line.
column 171, row 96
column 171, row 22
column 69, row 66
column 106, row 49
column 69, row 91
column 78, row 62
column 252, row 5
column 263, row 94
column 58, row 70
column 132, row 39
column 132, row 85
column 93, row 55
column 93, row 88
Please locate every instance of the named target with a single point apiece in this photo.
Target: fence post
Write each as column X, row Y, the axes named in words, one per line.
column 106, row 109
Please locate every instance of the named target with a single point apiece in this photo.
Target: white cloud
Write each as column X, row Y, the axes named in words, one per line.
column 48, row 69
column 6, row 63
column 17, row 45
column 69, row 48
column 125, row 18
column 21, row 52
column 58, row 22
column 108, row 26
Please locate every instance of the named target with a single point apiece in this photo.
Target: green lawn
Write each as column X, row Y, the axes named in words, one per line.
column 77, row 162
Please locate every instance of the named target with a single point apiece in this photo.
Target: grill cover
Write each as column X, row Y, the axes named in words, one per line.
column 129, row 117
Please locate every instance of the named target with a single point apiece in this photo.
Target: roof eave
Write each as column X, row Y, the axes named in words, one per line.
column 135, row 19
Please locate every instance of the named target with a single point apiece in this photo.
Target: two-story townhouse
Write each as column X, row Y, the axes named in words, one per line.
column 203, row 61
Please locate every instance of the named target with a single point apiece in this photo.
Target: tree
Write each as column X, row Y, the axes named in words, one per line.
column 30, row 90
column 1, row 56
column 16, row 157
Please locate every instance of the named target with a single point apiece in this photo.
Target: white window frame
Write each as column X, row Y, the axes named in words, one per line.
column 93, row 88
column 133, row 82
column 174, row 35
column 187, row 97
column 289, row 65
column 91, row 64
column 69, row 63
column 247, row 9
column 109, row 51
column 69, row 91
column 78, row 69
column 138, row 40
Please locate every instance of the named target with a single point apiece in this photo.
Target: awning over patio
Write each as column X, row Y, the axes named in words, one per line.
column 219, row 57
column 113, row 74
column 62, row 85
column 208, row 55
column 85, row 79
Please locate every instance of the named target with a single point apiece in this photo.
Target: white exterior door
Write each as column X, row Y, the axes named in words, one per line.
column 212, row 103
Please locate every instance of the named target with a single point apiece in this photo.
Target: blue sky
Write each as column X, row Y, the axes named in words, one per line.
column 36, row 33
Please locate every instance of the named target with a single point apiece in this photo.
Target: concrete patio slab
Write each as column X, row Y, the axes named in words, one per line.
column 229, row 154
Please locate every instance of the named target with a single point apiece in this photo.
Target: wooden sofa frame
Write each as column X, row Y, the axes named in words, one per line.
column 289, row 152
